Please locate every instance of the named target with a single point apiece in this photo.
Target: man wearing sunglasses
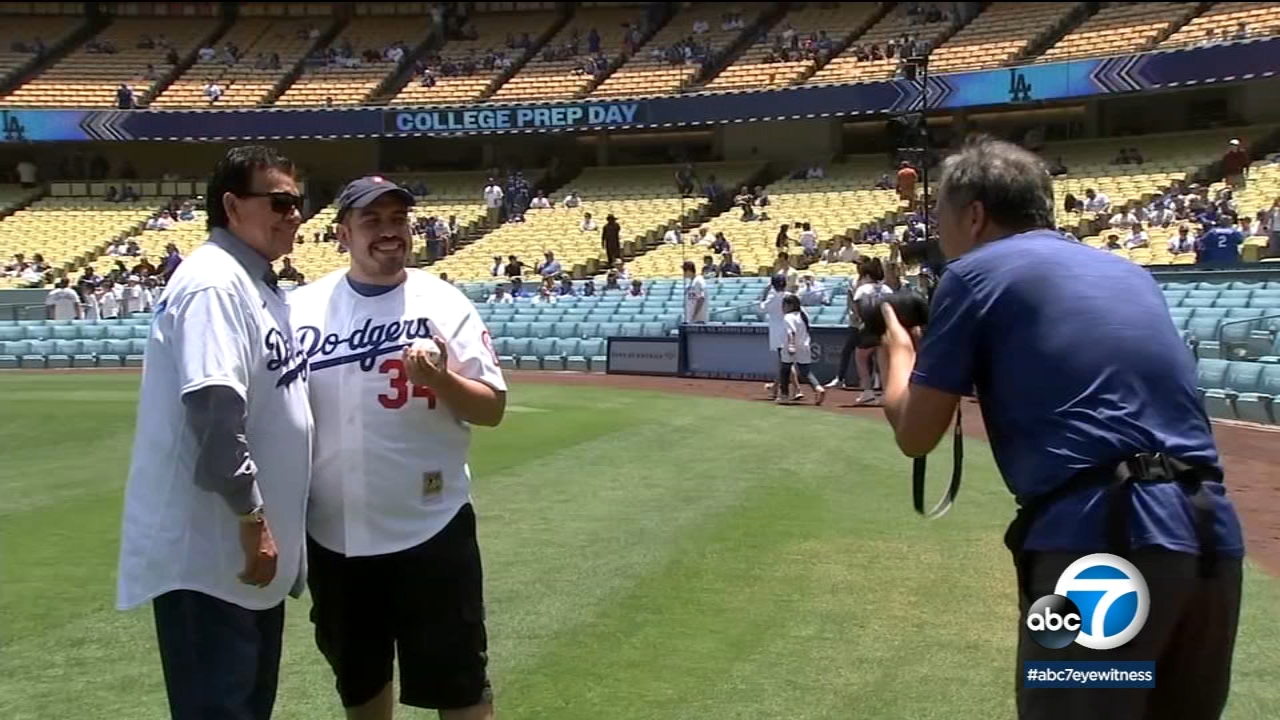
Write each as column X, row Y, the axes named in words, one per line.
column 217, row 491
column 391, row 535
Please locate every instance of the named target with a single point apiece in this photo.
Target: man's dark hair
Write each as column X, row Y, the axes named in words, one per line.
column 1012, row 184
column 234, row 174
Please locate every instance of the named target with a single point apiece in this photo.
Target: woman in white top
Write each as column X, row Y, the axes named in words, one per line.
column 108, row 303
column 796, row 352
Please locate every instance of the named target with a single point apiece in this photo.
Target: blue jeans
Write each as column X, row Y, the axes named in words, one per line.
column 221, row 661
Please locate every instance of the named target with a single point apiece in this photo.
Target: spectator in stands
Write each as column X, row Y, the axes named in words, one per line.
column 636, row 291
column 545, row 296
column 500, row 296
column 809, row 241
column 171, row 57
column 1273, row 227
column 287, row 271
column 1259, row 227
column 550, row 267
column 1057, row 167
column 884, row 183
column 729, row 267
column 27, row 172
column 172, row 260
column 518, row 290
column 711, row 189
column 906, row 182
column 113, row 194
column 131, row 248
column 493, row 196
column 62, row 303
column 89, row 277
column 611, row 240
column 720, row 244
column 708, row 267
column 1123, row 219
column 125, row 99
column 673, row 236
column 762, row 197
column 1135, row 157
column 811, row 290
column 1138, row 237
column 566, row 289
column 588, row 224
column 685, row 180
column 107, row 300
column 611, row 282
column 144, row 268
column 1220, row 246
column 207, row 54
column 515, row 268
column 1113, row 241
column 161, row 222
column 212, row 91
column 572, row 200
column 1162, row 216
column 540, row 202
column 1122, row 158
column 1235, row 164
column 1096, row 202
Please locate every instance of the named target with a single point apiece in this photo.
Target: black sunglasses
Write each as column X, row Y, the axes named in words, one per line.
column 281, row 202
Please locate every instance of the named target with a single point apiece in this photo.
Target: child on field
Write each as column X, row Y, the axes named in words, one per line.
column 796, row 350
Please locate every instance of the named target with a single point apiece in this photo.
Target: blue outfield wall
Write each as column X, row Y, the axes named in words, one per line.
column 1187, row 67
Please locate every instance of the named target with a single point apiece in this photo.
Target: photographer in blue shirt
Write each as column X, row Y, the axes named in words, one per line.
column 1089, row 400
column 1220, row 246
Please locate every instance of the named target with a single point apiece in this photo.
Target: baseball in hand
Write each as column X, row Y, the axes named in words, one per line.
column 426, row 349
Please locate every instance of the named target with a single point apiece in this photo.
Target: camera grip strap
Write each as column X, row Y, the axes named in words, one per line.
column 957, row 469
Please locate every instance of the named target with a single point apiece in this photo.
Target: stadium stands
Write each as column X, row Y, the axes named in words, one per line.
column 1120, row 28
column 90, row 76
column 858, row 64
column 269, row 48
column 1259, row 194
column 70, row 231
column 357, row 61
column 457, row 193
column 30, row 32
column 841, row 203
column 1228, row 21
column 642, row 198
column 655, row 70
column 999, row 35
column 762, row 65
column 493, row 30
column 550, row 76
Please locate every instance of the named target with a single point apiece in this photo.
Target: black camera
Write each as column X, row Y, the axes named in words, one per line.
column 912, row 309
column 923, row 252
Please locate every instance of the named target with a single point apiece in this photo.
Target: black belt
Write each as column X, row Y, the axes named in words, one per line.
column 1118, row 480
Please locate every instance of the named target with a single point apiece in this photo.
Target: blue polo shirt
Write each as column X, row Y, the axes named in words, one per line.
column 1221, row 245
column 1076, row 364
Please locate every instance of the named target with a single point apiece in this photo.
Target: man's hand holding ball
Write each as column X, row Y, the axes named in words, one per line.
column 427, row 362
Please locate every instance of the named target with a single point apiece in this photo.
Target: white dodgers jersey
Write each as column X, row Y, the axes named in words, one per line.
column 390, row 462
column 216, row 325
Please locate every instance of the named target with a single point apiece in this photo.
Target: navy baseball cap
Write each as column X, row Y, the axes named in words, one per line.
column 359, row 193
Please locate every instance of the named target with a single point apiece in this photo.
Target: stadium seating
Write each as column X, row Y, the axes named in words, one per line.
column 493, row 30
column 90, row 79
column 456, row 193
column 1260, row 191
column 49, row 30
column 754, row 69
column 840, row 204
column 541, row 79
column 846, row 67
column 244, row 84
column 1000, row 34
column 647, row 73
column 1120, row 28
column 349, row 82
column 70, row 231
column 1223, row 20
column 642, row 198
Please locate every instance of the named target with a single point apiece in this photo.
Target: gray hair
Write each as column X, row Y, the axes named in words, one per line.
column 1012, row 184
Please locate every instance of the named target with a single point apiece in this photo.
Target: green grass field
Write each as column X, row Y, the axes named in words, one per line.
column 647, row 556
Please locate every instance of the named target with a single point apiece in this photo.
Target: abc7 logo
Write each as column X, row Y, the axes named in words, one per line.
column 1100, row 602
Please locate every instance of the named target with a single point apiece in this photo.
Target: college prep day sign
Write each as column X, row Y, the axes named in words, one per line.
column 531, row 118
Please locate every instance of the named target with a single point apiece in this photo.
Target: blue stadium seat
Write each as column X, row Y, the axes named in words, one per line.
column 64, row 332
column 88, row 355
column 1235, row 294
column 114, row 352
column 8, row 323
column 589, row 329
column 1233, row 302
column 653, row 329
column 111, row 321
column 137, row 352
column 541, row 329
column 92, row 332
column 565, row 330
column 11, row 352
column 61, row 353
column 1211, row 374
column 1179, row 286
column 1211, row 285
column 1214, row 313
column 1212, row 294
column 532, row 358
column 594, row 352
column 515, row 347
column 37, row 351
column 497, row 329
column 631, row 329
column 1260, row 404
column 551, row 316
column 1173, row 297
column 55, row 323
column 11, row 333
column 575, row 359
column 1265, row 302
column 119, row 332
column 1243, row 285
column 609, row 329
column 623, row 317
column 1239, row 377
column 1197, row 302
column 38, row 332
column 141, row 331
column 1180, row 321
column 517, row 329
column 555, row 358
column 30, row 323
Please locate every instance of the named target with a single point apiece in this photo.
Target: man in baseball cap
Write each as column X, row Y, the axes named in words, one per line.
column 362, row 192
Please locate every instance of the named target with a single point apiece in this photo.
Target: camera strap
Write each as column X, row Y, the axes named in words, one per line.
column 957, row 469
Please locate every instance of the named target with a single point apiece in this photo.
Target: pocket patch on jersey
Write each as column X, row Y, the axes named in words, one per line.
column 432, row 486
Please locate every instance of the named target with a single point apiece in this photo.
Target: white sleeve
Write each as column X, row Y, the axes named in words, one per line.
column 471, row 352
column 210, row 341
